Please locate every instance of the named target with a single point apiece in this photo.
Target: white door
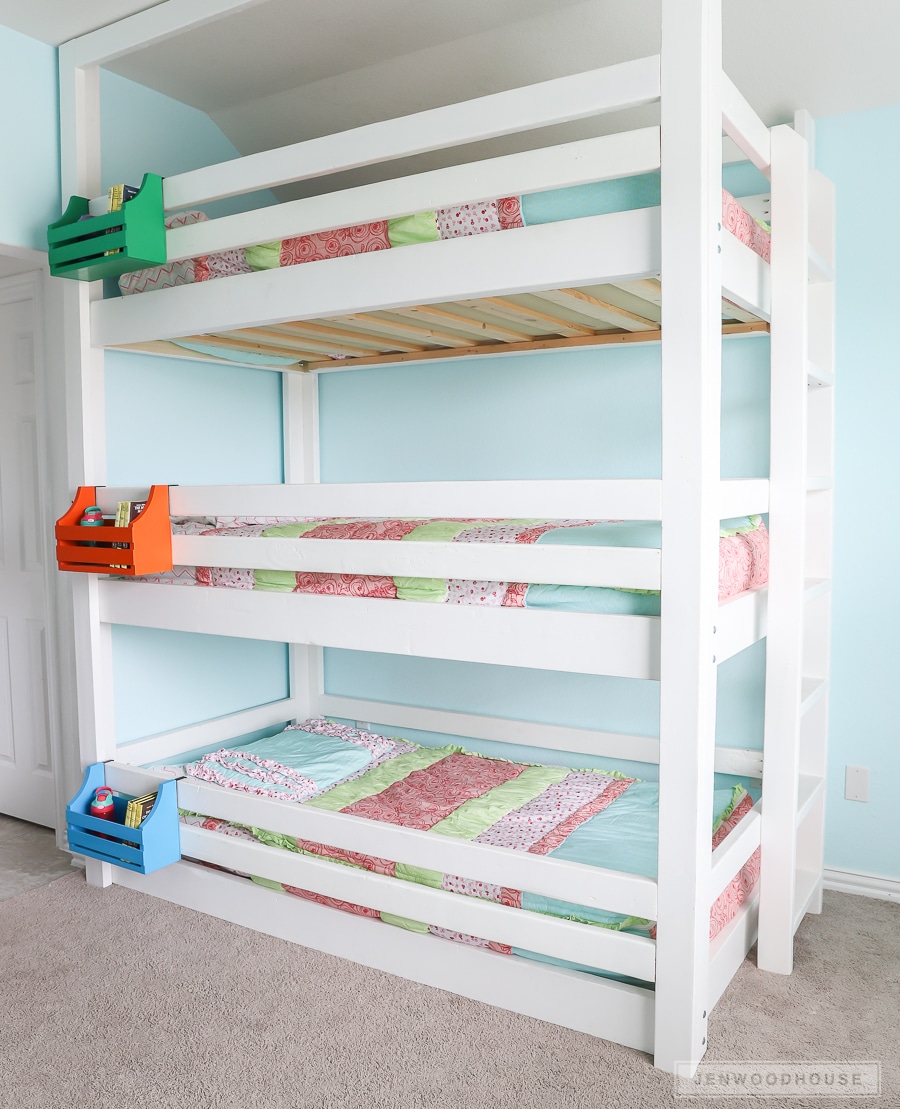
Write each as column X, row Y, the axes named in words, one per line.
column 26, row 770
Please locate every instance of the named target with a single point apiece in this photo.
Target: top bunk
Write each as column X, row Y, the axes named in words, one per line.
column 555, row 280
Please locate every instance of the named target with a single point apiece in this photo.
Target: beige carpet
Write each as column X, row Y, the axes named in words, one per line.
column 109, row 999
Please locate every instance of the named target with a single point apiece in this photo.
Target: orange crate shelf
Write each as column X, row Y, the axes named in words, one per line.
column 90, row 550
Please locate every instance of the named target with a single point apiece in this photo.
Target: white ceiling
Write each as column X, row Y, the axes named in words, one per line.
column 285, row 70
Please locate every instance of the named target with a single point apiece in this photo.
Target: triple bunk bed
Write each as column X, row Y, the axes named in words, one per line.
column 678, row 273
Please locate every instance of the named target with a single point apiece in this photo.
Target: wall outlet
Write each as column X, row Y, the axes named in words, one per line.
column 856, row 783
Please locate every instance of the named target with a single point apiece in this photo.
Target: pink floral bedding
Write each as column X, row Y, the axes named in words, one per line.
column 445, row 223
column 588, row 816
column 743, row 562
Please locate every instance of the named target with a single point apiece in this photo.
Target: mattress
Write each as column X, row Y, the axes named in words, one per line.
column 743, row 561
column 463, row 220
column 599, row 818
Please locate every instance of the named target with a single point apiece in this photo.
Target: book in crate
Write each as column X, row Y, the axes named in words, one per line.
column 137, row 809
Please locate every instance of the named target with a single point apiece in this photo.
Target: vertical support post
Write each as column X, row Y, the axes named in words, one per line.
column 787, row 524
column 819, row 531
column 79, row 107
column 300, row 408
column 691, row 116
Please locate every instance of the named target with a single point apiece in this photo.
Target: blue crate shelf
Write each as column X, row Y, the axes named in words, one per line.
column 155, row 844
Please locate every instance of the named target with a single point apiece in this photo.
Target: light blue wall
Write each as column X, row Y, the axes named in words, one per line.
column 177, row 421
column 860, row 152
column 29, row 140
column 586, row 413
column 144, row 131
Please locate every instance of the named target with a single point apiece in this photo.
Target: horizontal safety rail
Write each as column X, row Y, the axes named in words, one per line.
column 735, row 850
column 611, row 156
column 561, row 100
column 621, row 646
column 619, row 246
column 540, row 498
column 545, row 935
column 594, row 887
column 620, row 567
column 741, row 123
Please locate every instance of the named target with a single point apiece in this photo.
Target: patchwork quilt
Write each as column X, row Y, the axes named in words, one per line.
column 478, row 218
column 600, row 818
column 743, row 561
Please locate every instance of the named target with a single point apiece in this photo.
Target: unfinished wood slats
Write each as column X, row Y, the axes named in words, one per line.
column 647, row 288
column 365, row 331
column 579, row 317
column 342, row 335
column 586, row 305
column 384, row 325
column 307, row 342
column 247, row 346
column 730, row 311
column 543, row 322
column 471, row 328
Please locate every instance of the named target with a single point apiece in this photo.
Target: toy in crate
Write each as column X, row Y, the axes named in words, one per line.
column 97, row 824
column 131, row 235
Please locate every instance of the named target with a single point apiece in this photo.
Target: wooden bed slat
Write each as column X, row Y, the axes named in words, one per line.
column 472, row 328
column 586, row 305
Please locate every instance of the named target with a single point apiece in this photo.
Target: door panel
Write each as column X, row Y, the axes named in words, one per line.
column 26, row 765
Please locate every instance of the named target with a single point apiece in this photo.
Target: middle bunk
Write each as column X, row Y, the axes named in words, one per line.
column 578, row 594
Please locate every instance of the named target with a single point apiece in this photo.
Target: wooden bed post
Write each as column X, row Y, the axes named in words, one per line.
column 300, row 406
column 79, row 98
column 691, row 115
column 783, row 895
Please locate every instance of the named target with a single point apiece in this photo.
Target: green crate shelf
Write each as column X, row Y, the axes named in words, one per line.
column 80, row 248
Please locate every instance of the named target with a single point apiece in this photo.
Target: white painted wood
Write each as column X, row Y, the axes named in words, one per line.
column 626, row 646
column 805, row 125
column 133, row 780
column 789, row 359
column 743, row 498
column 595, row 1006
column 739, row 622
column 86, row 424
column 578, row 163
column 588, row 885
column 811, row 690
column 300, row 408
column 744, row 126
column 220, row 730
column 613, row 247
column 691, row 118
column 746, row 278
column 300, row 404
column 596, row 947
column 728, row 950
column 808, row 885
column 581, row 498
column 580, row 96
column 556, row 737
column 623, row 567
column 734, row 851
column 820, row 268
column 809, row 791
column 821, row 216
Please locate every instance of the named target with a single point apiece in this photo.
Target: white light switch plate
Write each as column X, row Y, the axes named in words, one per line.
column 856, row 784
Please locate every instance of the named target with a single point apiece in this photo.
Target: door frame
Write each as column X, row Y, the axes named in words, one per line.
column 50, row 410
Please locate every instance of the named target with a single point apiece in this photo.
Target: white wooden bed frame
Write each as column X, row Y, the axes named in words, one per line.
column 682, row 649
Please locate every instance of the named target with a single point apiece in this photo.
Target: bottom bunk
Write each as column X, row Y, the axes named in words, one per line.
column 600, row 819
column 557, row 920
